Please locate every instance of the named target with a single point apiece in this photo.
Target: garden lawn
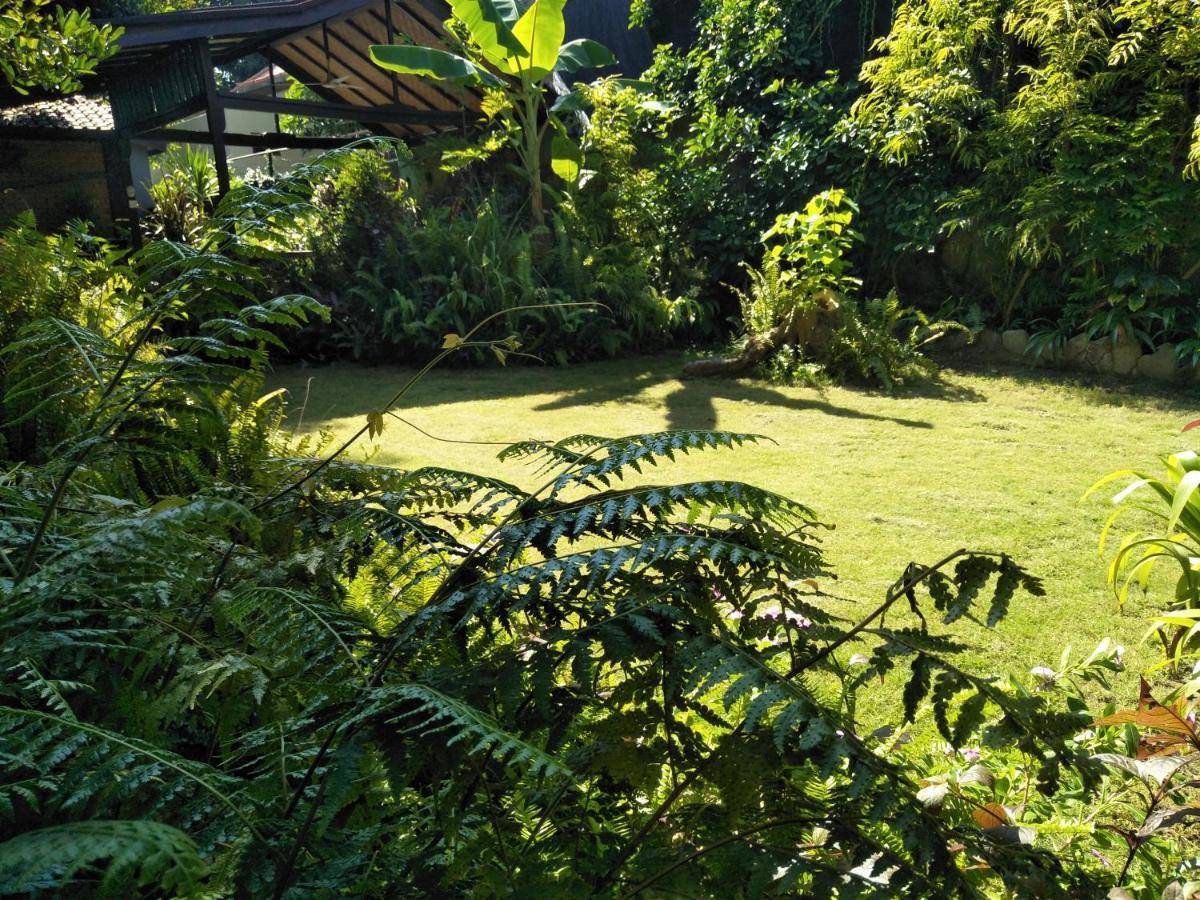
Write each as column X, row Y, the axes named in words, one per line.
column 990, row 460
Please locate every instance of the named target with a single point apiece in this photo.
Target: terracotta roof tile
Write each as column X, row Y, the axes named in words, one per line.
column 79, row 113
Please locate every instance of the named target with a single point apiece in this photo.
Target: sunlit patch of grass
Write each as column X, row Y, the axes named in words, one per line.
column 990, row 460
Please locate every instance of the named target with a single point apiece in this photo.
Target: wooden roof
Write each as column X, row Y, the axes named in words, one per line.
column 322, row 43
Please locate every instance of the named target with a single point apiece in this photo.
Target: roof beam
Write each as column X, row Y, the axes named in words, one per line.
column 381, row 114
column 212, row 22
column 277, row 140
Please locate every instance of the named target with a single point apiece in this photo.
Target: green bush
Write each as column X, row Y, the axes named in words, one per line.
column 184, row 191
column 802, row 306
column 1062, row 136
column 72, row 277
column 1125, row 822
column 399, row 275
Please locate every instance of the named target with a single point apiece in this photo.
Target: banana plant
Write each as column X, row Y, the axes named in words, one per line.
column 511, row 53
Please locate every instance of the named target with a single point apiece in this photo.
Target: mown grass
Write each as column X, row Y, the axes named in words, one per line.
column 986, row 459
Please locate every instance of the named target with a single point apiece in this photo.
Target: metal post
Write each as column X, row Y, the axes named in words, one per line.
column 215, row 114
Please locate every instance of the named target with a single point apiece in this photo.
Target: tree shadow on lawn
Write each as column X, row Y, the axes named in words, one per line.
column 692, row 402
column 350, row 390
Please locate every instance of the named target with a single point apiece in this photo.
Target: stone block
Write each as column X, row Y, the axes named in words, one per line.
column 1098, row 355
column 1014, row 340
column 1125, row 355
column 989, row 341
column 1160, row 365
column 1075, row 349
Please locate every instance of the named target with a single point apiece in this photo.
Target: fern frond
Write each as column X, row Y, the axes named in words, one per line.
column 85, row 759
column 420, row 710
column 118, row 857
column 602, row 460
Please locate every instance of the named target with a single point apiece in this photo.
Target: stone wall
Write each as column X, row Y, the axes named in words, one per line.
column 1123, row 357
column 58, row 180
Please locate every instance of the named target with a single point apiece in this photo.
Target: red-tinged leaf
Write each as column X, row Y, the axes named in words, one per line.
column 1152, row 745
column 1190, row 425
column 1152, row 714
column 989, row 816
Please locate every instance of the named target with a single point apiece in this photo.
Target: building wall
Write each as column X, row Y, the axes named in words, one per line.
column 244, row 159
column 58, row 180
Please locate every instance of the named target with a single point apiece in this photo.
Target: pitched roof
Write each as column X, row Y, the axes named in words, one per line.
column 76, row 113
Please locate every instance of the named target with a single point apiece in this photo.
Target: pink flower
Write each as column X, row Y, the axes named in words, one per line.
column 970, row 754
column 798, row 620
column 734, row 614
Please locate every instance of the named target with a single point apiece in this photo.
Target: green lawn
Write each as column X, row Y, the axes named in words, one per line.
column 989, row 460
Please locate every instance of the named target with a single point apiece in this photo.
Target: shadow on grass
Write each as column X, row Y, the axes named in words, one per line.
column 1096, row 388
column 692, row 402
column 345, row 390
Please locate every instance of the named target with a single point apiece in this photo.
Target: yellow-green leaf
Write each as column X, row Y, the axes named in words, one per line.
column 374, row 423
column 541, row 31
column 566, row 159
column 450, row 341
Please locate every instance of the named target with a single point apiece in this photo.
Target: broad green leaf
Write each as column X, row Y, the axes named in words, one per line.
column 583, row 53
column 430, row 63
column 566, row 158
column 490, row 24
column 541, row 31
column 572, row 102
column 1183, row 494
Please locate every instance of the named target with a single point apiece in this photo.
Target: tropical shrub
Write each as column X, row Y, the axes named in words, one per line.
column 1173, row 508
column 184, row 190
column 755, row 114
column 621, row 196
column 71, row 277
column 1125, row 823
column 1067, row 152
column 801, row 314
column 398, row 274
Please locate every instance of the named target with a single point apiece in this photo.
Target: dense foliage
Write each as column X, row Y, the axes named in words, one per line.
column 49, row 48
column 803, row 317
column 751, row 129
column 401, row 264
column 512, row 52
column 1065, row 139
column 246, row 664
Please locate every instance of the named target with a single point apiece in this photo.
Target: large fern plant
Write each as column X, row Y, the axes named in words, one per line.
column 234, row 668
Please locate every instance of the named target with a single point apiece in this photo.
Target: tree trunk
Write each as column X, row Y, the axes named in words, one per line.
column 757, row 348
column 812, row 327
